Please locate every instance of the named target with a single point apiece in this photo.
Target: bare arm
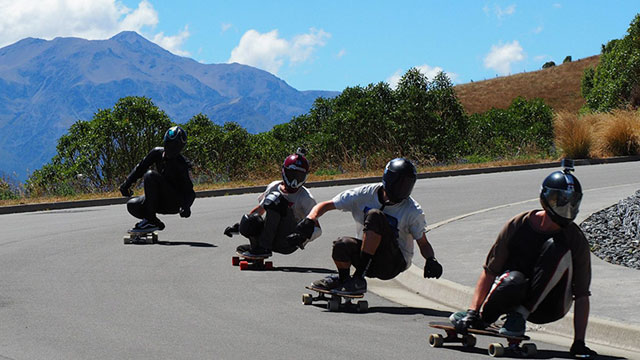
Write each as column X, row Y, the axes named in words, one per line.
column 482, row 289
column 425, row 247
column 258, row 209
column 320, row 209
column 580, row 317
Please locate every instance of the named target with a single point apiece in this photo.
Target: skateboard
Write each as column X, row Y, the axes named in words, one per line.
column 246, row 262
column 468, row 340
column 334, row 301
column 141, row 237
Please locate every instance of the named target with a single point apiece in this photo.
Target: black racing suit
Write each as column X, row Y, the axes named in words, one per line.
column 167, row 190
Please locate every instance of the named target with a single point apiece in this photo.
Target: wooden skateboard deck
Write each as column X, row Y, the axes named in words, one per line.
column 246, row 262
column 468, row 340
column 141, row 238
column 334, row 300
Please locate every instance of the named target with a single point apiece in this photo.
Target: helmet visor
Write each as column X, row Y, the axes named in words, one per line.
column 564, row 203
column 294, row 178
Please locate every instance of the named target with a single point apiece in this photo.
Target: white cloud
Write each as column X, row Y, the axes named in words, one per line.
column 341, row 53
column 225, row 26
column 501, row 57
column 508, row 11
column 557, row 5
column 429, row 71
column 95, row 19
column 538, row 30
column 269, row 52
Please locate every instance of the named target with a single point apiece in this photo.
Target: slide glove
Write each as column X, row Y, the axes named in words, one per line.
column 470, row 321
column 304, row 231
column 185, row 212
column 580, row 351
column 233, row 229
column 432, row 268
column 275, row 201
column 125, row 189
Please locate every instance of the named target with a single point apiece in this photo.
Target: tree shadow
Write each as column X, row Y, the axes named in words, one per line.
column 541, row 354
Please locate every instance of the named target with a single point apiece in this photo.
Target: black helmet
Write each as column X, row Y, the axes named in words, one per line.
column 174, row 141
column 398, row 179
column 561, row 195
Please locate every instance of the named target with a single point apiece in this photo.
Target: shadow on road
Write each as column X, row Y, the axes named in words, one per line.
column 402, row 310
column 541, row 354
column 296, row 269
column 189, row 243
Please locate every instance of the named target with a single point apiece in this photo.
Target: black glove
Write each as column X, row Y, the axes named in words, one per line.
column 432, row 268
column 125, row 189
column 233, row 229
column 276, row 201
column 296, row 239
column 185, row 212
column 304, row 231
column 580, row 351
column 470, row 321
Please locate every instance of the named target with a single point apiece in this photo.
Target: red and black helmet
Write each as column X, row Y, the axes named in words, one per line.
column 294, row 171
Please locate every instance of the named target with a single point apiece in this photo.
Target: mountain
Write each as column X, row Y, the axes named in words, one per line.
column 45, row 86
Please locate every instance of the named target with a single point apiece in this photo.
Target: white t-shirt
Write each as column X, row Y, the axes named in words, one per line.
column 406, row 217
column 301, row 201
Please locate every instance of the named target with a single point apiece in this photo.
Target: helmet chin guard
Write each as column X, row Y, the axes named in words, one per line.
column 561, row 195
column 294, row 171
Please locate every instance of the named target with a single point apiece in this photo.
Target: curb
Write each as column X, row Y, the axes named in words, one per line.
column 12, row 209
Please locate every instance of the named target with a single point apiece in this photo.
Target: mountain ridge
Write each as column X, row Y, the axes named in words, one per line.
column 47, row 85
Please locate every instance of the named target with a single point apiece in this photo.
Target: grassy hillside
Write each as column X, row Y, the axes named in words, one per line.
column 558, row 86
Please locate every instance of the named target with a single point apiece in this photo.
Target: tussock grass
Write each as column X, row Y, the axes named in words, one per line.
column 618, row 133
column 573, row 134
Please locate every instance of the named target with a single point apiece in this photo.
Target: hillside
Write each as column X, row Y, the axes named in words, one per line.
column 558, row 86
column 45, row 86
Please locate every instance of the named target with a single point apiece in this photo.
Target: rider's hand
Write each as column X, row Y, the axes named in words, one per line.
column 233, row 229
column 125, row 189
column 185, row 213
column 470, row 321
column 580, row 351
column 296, row 239
column 432, row 268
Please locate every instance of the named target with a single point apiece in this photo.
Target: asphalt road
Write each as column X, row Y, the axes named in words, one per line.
column 70, row 288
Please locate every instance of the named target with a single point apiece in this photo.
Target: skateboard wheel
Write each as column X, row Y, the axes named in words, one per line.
column 468, row 341
column 333, row 304
column 496, row 350
column 244, row 265
column 127, row 240
column 436, row 340
column 529, row 350
column 235, row 260
column 363, row 306
column 154, row 238
column 307, row 299
column 268, row 265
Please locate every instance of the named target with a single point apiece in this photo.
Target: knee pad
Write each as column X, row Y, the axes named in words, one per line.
column 341, row 250
column 513, row 284
column 375, row 220
column 251, row 225
column 135, row 206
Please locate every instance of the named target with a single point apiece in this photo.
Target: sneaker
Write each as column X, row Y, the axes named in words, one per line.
column 514, row 325
column 456, row 317
column 329, row 283
column 144, row 226
column 355, row 286
column 258, row 252
column 243, row 248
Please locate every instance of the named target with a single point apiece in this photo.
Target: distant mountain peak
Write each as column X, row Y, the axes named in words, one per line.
column 128, row 36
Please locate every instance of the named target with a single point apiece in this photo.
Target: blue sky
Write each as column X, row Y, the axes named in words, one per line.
column 330, row 45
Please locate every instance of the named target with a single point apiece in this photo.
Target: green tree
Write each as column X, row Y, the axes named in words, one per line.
column 615, row 82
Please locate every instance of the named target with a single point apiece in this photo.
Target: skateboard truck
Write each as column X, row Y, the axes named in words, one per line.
column 141, row 238
column 245, row 262
column 334, row 301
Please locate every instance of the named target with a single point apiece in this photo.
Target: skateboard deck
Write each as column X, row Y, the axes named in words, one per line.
column 141, row 237
column 334, row 300
column 468, row 340
column 246, row 262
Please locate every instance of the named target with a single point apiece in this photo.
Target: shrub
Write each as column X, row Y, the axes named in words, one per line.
column 548, row 64
column 618, row 133
column 573, row 135
column 567, row 59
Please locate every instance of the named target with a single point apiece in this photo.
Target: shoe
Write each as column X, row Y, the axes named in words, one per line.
column 329, row 283
column 157, row 223
column 514, row 325
column 456, row 317
column 258, row 252
column 355, row 286
column 144, row 226
column 243, row 248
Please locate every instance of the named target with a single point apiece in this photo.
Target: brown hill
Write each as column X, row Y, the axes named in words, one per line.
column 558, row 86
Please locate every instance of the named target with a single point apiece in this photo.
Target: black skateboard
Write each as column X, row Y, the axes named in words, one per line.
column 468, row 340
column 247, row 262
column 334, row 300
column 141, row 237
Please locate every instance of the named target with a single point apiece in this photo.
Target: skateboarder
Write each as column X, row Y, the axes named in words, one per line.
column 388, row 220
column 280, row 207
column 538, row 264
column 167, row 190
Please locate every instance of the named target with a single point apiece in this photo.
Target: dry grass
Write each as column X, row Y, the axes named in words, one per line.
column 573, row 134
column 558, row 86
column 598, row 134
column 617, row 133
